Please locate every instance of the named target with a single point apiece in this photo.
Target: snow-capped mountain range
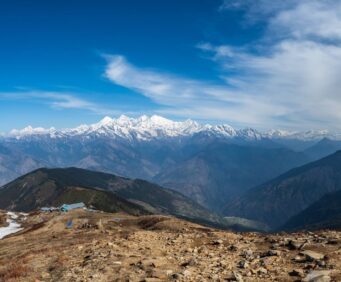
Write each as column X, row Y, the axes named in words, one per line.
column 153, row 127
column 208, row 163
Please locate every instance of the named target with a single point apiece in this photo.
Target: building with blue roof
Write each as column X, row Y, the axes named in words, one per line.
column 69, row 207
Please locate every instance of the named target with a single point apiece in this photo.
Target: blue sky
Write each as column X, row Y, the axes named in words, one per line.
column 271, row 65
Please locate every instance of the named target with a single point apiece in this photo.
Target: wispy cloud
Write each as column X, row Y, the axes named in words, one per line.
column 186, row 97
column 58, row 100
column 260, row 10
column 300, row 68
column 289, row 78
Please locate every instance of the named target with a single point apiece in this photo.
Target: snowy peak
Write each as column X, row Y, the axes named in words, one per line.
column 160, row 121
column 143, row 128
column 250, row 134
column 106, row 121
column 153, row 127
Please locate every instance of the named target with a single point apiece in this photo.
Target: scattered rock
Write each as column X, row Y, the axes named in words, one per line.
column 232, row 248
column 248, row 254
column 297, row 272
column 318, row 276
column 332, row 242
column 176, row 276
column 294, row 245
column 130, row 253
column 311, row 255
column 243, row 264
column 271, row 253
column 262, row 270
column 190, row 262
column 217, row 242
column 237, row 277
column 300, row 259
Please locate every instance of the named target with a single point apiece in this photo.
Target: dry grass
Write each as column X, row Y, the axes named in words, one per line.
column 59, row 263
column 13, row 272
column 150, row 222
column 3, row 220
column 34, row 227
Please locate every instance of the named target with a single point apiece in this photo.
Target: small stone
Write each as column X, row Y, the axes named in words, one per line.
column 158, row 273
column 190, row 262
column 311, row 255
column 232, row 248
column 321, row 263
column 318, row 276
column 217, row 242
column 238, row 277
column 300, row 258
column 294, row 245
column 248, row 254
column 271, row 253
column 232, row 276
column 88, row 257
column 332, row 242
column 297, row 272
column 262, row 270
column 275, row 246
column 45, row 275
column 243, row 264
column 176, row 276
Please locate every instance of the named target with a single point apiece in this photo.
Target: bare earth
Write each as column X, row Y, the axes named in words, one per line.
column 116, row 247
column 3, row 222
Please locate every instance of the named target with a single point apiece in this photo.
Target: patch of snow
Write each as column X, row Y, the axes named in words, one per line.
column 13, row 226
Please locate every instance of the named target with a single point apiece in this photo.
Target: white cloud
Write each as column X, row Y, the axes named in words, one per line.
column 310, row 20
column 298, row 63
column 259, row 9
column 289, row 78
column 186, row 97
column 58, row 100
column 299, row 77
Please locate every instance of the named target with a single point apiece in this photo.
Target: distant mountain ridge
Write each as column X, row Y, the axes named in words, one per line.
column 276, row 201
column 153, row 127
column 46, row 187
column 208, row 163
column 323, row 148
column 325, row 213
column 228, row 170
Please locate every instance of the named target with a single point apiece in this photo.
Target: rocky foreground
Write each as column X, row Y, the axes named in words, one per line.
column 93, row 246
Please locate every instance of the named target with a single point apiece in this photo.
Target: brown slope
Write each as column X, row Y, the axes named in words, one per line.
column 47, row 186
